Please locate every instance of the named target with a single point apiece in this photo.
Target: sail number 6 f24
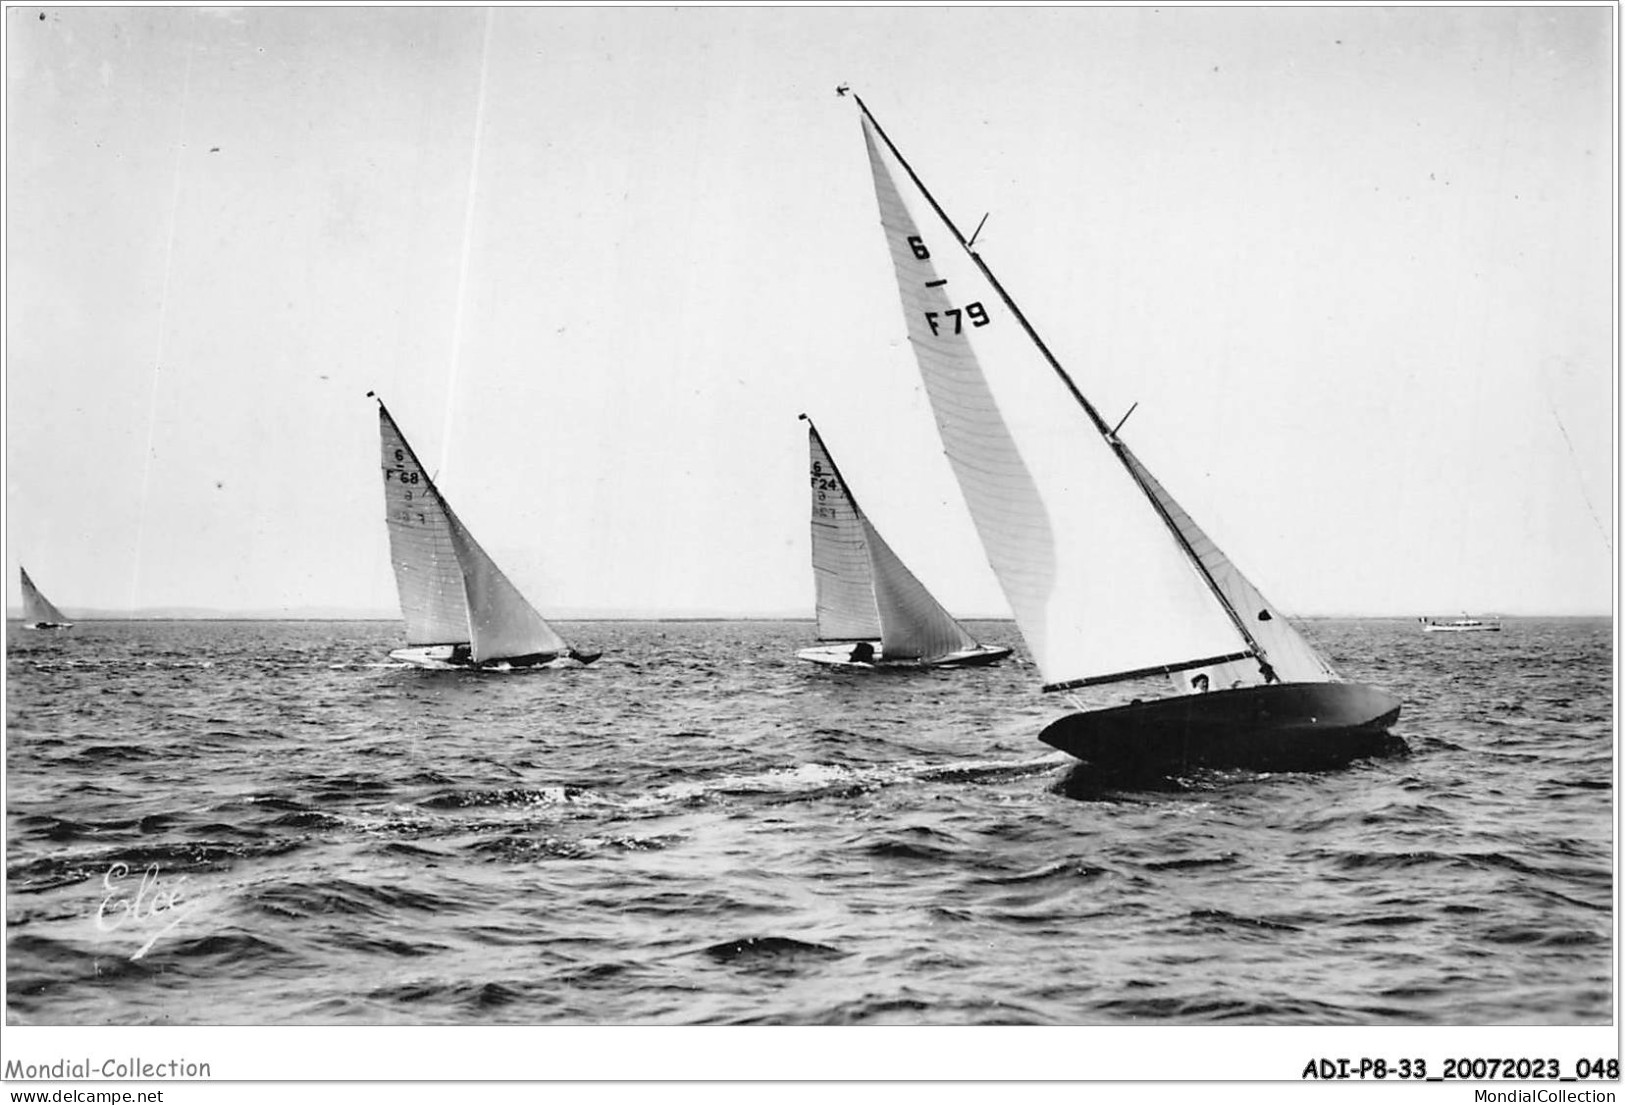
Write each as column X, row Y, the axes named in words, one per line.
column 822, row 483
column 939, row 320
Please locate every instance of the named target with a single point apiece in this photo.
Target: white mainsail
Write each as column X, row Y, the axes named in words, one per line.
column 427, row 574
column 1097, row 586
column 451, row 591
column 37, row 609
column 864, row 589
column 842, row 578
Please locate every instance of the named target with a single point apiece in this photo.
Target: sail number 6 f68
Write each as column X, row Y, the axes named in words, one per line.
column 974, row 311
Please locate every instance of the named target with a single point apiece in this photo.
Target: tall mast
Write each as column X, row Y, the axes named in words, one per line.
column 1071, row 386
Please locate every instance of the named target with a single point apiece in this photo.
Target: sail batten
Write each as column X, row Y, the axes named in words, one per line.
column 864, row 590
column 451, row 591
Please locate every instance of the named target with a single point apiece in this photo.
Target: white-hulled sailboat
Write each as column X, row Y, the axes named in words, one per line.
column 460, row 610
column 38, row 612
column 1108, row 577
column 866, row 597
column 1463, row 624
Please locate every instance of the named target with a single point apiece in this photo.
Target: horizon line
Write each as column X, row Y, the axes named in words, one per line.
column 188, row 613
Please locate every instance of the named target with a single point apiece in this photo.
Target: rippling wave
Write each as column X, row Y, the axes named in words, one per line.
column 267, row 823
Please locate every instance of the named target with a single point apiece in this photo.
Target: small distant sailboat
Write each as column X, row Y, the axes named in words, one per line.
column 38, row 612
column 867, row 597
column 460, row 610
column 1109, row 578
column 1462, row 624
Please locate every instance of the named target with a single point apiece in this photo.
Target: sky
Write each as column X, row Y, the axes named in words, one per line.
column 1354, row 266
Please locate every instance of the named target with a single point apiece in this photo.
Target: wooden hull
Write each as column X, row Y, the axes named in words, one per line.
column 49, row 625
column 1276, row 727
column 840, row 656
column 454, row 658
column 1434, row 628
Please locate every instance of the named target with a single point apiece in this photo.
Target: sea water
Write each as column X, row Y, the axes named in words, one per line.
column 271, row 823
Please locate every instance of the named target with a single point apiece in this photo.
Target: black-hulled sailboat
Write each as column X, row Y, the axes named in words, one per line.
column 1110, row 580
column 460, row 610
column 867, row 599
column 38, row 611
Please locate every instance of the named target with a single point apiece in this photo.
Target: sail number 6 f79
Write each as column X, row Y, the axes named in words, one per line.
column 974, row 311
